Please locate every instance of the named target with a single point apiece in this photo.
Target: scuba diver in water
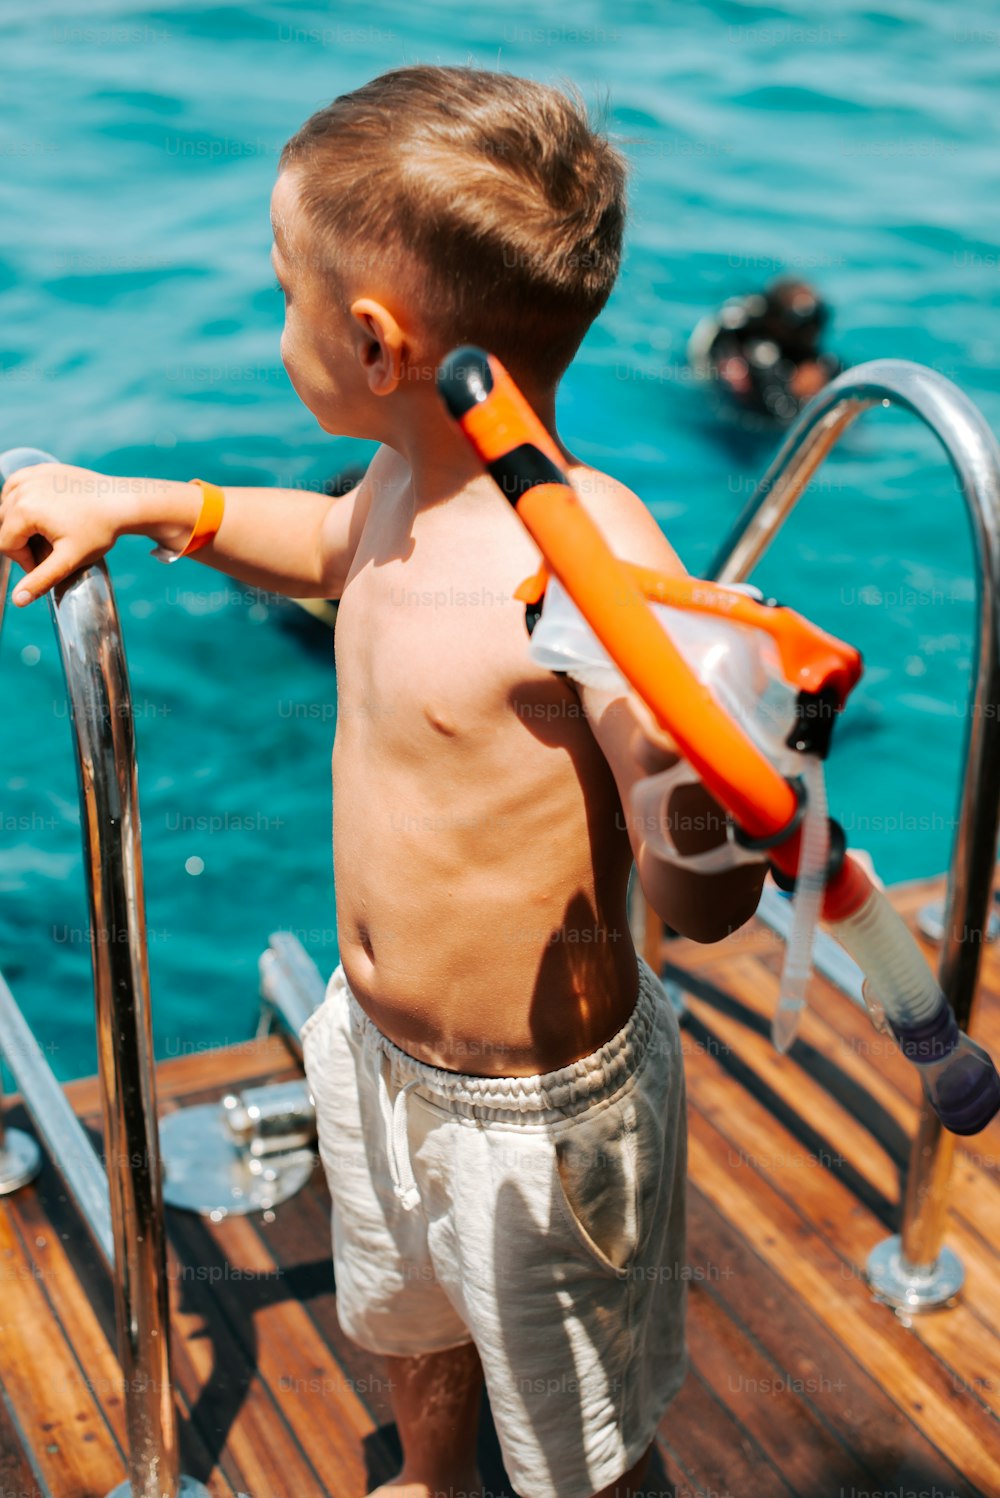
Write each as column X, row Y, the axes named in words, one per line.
column 761, row 351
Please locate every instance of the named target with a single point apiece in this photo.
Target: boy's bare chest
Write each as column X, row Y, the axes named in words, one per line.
column 435, row 638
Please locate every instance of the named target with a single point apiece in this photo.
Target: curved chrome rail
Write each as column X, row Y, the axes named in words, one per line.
column 86, row 623
column 915, row 1270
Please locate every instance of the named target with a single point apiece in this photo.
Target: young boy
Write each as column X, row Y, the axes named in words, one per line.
column 498, row 1079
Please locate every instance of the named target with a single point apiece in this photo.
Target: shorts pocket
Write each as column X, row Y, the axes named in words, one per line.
column 606, row 1166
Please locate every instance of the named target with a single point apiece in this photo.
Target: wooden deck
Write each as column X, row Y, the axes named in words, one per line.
column 799, row 1384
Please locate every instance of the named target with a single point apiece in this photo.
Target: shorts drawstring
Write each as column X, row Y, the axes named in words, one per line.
column 554, row 1094
column 551, row 1096
column 397, row 1136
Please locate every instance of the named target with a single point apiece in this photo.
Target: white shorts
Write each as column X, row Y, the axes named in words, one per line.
column 542, row 1218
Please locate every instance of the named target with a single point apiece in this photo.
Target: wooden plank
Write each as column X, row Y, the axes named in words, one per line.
column 180, row 1076
column 666, row 1478
column 232, row 1407
column 845, row 1395
column 879, row 1053
column 233, row 1410
column 297, row 1244
column 76, row 1452
column 93, row 1338
column 975, row 1219
column 17, row 1480
column 236, row 1419
column 303, row 1376
column 911, row 1375
column 853, row 1024
column 752, row 940
column 822, row 1198
column 755, row 939
column 47, row 1204
column 833, row 1123
column 985, row 1026
column 761, row 1395
column 975, row 1195
column 820, row 1050
column 299, row 1241
column 716, row 1453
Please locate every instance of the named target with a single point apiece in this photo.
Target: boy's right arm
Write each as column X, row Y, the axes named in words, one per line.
column 290, row 541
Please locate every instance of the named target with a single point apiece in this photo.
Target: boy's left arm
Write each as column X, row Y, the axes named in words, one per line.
column 703, row 907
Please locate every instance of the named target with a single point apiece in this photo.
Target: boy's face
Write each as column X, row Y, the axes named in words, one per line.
column 335, row 355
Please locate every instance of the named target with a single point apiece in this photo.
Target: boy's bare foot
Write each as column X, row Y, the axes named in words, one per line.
column 403, row 1486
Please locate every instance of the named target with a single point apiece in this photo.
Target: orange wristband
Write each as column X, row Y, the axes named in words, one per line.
column 205, row 527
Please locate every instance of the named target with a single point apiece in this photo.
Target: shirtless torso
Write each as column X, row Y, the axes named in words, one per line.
column 481, row 857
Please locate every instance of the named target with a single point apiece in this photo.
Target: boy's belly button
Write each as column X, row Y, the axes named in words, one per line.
column 480, row 1050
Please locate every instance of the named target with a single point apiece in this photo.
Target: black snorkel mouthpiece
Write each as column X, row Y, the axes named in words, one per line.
column 464, row 379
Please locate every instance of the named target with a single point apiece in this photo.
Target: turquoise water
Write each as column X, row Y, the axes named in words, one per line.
column 139, row 335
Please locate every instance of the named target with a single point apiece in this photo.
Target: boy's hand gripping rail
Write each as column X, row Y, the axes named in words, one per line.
column 958, row 1076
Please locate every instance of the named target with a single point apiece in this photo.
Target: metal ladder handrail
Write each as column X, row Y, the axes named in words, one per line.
column 910, row 1270
column 93, row 657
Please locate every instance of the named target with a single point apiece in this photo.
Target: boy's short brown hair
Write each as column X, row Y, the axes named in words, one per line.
column 502, row 207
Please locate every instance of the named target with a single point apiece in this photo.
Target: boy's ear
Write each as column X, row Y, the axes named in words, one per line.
column 381, row 344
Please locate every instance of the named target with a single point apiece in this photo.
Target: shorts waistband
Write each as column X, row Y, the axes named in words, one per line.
column 569, row 1089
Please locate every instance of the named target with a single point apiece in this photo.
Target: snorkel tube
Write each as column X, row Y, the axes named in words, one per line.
column 766, row 805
